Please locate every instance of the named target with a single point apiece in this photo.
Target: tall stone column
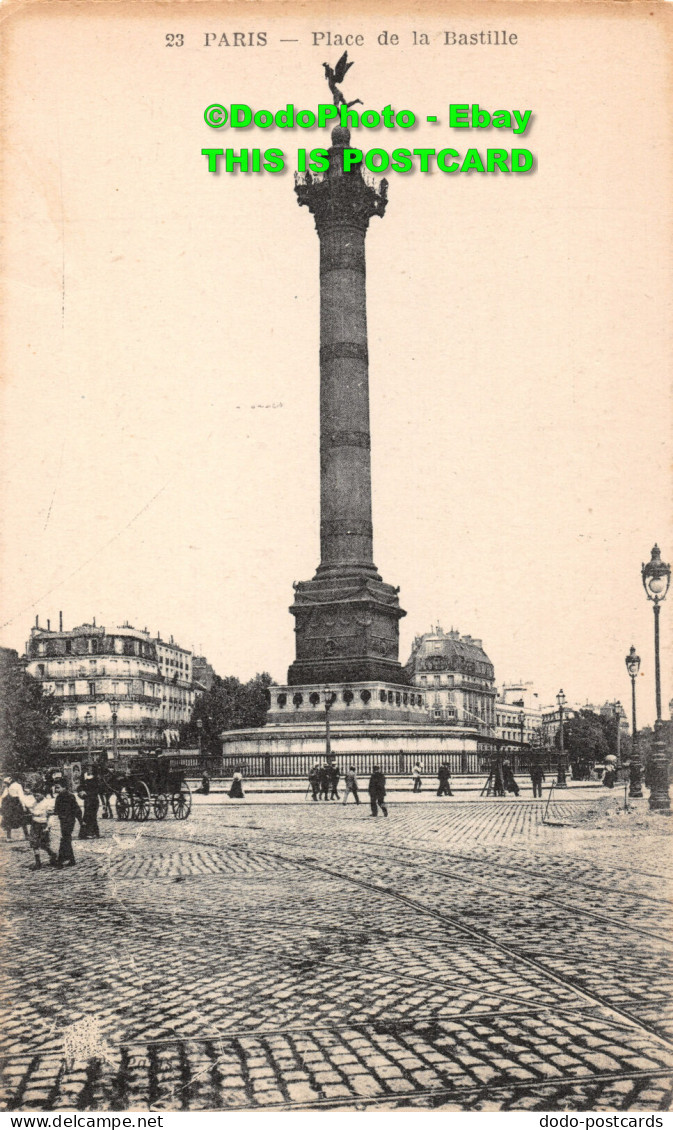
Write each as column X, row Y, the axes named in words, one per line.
column 346, row 617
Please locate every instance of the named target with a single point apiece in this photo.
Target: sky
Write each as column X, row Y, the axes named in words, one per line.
column 160, row 358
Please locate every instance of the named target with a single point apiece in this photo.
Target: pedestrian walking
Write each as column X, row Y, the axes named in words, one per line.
column 13, row 808
column 351, row 785
column 67, row 810
column 334, row 778
column 88, row 790
column 324, row 781
column 205, row 784
column 236, row 790
column 508, row 779
column 314, row 780
column 444, row 777
column 610, row 771
column 416, row 778
column 377, row 791
column 41, row 811
column 537, row 777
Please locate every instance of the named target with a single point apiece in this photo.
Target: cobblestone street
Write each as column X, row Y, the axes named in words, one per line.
column 462, row 956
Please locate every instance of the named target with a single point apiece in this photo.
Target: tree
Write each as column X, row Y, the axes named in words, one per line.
column 588, row 739
column 27, row 716
column 228, row 705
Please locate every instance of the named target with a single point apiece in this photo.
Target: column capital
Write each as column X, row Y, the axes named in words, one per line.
column 340, row 199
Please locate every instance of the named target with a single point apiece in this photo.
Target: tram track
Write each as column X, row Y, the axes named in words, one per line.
column 661, row 877
column 471, row 880
column 465, row 1094
column 477, row 934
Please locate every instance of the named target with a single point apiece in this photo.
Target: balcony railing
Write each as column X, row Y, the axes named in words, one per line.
column 68, row 699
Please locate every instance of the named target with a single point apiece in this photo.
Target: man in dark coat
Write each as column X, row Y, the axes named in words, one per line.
column 334, row 776
column 89, row 790
column 324, row 781
column 444, row 776
column 314, row 780
column 68, row 811
column 377, row 791
column 537, row 777
column 508, row 778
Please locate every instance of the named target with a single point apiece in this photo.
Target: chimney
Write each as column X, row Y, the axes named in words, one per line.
column 94, row 621
column 48, row 625
column 37, row 621
column 60, row 621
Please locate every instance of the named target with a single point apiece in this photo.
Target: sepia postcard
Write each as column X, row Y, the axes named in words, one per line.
column 335, row 529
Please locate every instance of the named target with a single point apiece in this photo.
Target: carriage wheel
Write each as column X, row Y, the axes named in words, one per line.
column 160, row 806
column 141, row 802
column 123, row 805
column 181, row 802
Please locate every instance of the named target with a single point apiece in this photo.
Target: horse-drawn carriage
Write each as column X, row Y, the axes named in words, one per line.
column 155, row 784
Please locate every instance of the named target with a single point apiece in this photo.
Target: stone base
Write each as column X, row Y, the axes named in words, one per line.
column 346, row 628
column 265, row 751
column 374, row 722
column 371, row 701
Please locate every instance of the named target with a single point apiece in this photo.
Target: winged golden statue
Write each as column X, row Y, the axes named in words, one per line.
column 335, row 77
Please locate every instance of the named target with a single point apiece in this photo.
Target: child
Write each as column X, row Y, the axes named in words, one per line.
column 39, row 836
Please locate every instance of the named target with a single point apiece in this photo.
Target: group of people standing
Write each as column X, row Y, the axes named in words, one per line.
column 45, row 809
column 323, row 783
column 443, row 776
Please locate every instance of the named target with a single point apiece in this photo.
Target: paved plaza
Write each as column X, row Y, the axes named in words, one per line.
column 460, row 955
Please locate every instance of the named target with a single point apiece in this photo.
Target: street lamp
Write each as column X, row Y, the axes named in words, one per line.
column 633, row 667
column 522, row 723
column 114, row 709
column 656, row 580
column 561, row 782
column 87, row 723
column 199, row 729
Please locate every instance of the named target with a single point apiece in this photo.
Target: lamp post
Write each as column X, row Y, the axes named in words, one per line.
column 330, row 699
column 633, row 667
column 87, row 723
column 114, row 709
column 561, row 782
column 618, row 719
column 199, row 730
column 656, row 577
column 522, row 723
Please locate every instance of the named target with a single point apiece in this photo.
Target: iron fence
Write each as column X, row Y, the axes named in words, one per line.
column 298, row 765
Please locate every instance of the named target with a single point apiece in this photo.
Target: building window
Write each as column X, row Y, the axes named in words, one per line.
column 71, row 688
column 68, row 647
column 92, row 688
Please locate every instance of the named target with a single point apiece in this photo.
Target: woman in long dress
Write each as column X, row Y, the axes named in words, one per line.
column 236, row 790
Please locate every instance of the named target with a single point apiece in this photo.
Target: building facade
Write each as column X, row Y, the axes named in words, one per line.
column 456, row 677
column 115, row 689
column 551, row 722
column 177, row 697
column 518, row 714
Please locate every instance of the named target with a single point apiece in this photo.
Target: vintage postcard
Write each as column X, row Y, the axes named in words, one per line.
column 335, row 534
